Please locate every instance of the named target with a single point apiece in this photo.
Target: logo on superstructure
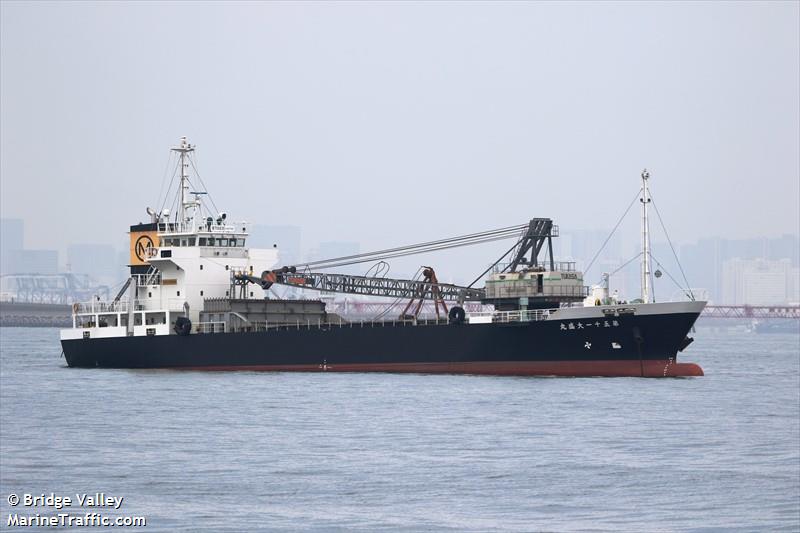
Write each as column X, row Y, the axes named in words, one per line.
column 140, row 248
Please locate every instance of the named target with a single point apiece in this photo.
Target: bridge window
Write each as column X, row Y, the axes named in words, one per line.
column 222, row 242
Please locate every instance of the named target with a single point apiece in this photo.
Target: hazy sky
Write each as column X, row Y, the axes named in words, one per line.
column 390, row 123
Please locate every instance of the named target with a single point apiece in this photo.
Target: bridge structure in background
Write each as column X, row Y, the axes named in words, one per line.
column 752, row 311
column 52, row 289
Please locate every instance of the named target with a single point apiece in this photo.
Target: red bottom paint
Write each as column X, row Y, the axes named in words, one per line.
column 650, row 368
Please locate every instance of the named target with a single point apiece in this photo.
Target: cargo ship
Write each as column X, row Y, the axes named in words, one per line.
column 198, row 297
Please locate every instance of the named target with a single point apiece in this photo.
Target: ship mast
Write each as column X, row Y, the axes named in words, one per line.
column 184, row 150
column 645, row 200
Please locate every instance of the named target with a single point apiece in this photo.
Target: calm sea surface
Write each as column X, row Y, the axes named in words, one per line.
column 245, row 451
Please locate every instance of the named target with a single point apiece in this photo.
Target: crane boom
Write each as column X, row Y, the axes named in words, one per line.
column 364, row 285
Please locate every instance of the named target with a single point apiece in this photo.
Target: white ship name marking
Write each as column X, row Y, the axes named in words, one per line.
column 581, row 325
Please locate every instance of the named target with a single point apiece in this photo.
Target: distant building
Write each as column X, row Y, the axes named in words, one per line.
column 582, row 245
column 286, row 238
column 332, row 249
column 794, row 286
column 11, row 240
column 703, row 261
column 758, row 282
column 33, row 262
column 100, row 261
column 336, row 249
column 123, row 257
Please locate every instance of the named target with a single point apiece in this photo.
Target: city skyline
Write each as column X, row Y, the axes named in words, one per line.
column 709, row 264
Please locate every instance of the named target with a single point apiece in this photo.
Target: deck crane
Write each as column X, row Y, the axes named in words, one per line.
column 428, row 288
column 531, row 238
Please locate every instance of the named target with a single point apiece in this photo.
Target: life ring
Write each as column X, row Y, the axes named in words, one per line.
column 456, row 315
column 183, row 326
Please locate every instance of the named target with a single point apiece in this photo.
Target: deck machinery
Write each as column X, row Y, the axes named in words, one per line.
column 524, row 283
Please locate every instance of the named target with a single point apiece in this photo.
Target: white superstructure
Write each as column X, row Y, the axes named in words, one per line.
column 176, row 263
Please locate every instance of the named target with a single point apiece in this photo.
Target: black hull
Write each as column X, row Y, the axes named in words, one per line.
column 646, row 345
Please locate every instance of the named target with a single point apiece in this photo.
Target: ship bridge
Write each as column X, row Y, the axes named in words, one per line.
column 183, row 256
column 207, row 235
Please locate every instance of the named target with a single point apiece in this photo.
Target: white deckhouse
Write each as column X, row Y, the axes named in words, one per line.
column 176, row 262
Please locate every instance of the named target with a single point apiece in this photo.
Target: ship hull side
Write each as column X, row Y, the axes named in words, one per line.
column 636, row 345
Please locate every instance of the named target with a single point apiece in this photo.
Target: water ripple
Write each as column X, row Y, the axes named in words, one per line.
column 249, row 451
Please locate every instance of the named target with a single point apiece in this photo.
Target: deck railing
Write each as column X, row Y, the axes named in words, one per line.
column 121, row 306
column 320, row 324
column 525, row 315
column 200, row 226
column 210, row 327
column 309, row 324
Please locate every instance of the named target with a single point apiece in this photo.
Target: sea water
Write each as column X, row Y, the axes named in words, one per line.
column 249, row 451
